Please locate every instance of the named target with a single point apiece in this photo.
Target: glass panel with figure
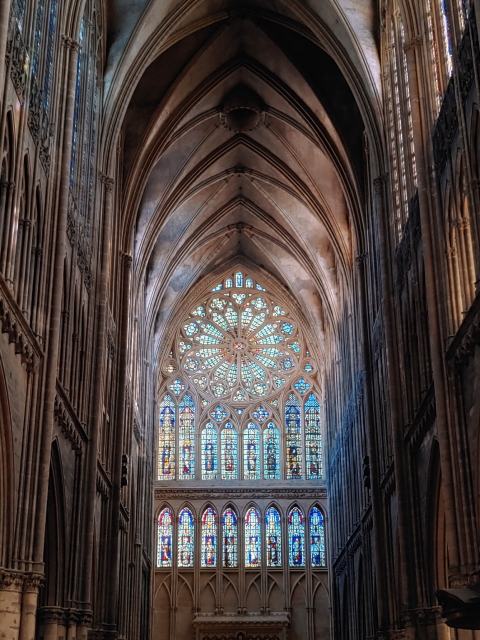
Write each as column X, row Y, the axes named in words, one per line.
column 273, row 537
column 252, row 538
column 229, row 452
column 230, row 539
column 271, row 453
column 186, row 439
column 313, row 438
column 166, row 451
column 296, row 538
column 317, row 538
column 185, row 538
column 251, row 452
column 209, row 452
column 209, row 538
column 165, row 532
column 294, row 438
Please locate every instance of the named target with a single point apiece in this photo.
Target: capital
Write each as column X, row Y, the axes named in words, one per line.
column 106, row 181
column 127, row 261
column 70, row 43
column 413, row 44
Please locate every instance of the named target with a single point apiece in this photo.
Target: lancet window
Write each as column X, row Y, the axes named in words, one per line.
column 304, row 543
column 440, row 46
column 239, row 388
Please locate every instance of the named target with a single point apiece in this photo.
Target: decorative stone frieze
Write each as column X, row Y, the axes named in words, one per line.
column 14, row 324
column 242, row 493
column 68, row 422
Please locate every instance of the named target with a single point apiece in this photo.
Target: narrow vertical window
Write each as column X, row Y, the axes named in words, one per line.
column 411, row 144
column 273, row 538
column 37, row 40
column 434, row 52
column 185, row 538
column 230, row 538
column 228, row 283
column 209, row 452
column 166, row 454
column 446, row 38
column 271, row 453
column 317, row 538
column 50, row 48
column 229, row 452
column 186, row 439
column 294, row 438
column 209, row 538
column 249, row 283
column 165, row 537
column 77, row 103
column 313, row 438
column 251, row 452
column 238, row 280
column 252, row 538
column 296, row 538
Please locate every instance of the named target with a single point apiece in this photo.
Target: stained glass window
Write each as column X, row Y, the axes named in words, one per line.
column 229, row 452
column 77, row 104
column 230, row 538
column 434, row 51
column 273, row 538
column 271, row 453
column 209, row 538
column 446, row 38
column 186, row 439
column 185, row 538
column 251, row 452
column 38, row 36
column 209, row 452
column 252, row 538
column 165, row 538
column 166, row 451
column 296, row 538
column 313, row 438
column 293, row 438
column 47, row 81
column 317, row 538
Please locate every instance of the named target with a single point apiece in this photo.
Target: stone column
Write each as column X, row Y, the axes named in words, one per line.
column 31, row 588
column 11, row 587
column 436, row 346
column 72, row 49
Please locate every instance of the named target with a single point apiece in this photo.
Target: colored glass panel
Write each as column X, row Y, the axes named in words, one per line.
column 177, row 387
column 219, row 414
column 165, row 538
column 296, row 538
column 47, row 80
column 252, row 538
column 249, row 283
column 251, row 452
column 209, row 538
column 302, row 386
column 293, row 438
column 313, row 438
column 229, row 452
column 271, row 453
column 230, row 539
column 273, row 538
column 260, row 414
column 317, row 538
column 185, row 538
column 186, row 439
column 166, row 451
column 209, row 452
column 238, row 280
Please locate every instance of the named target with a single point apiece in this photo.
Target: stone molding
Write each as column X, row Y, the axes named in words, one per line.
column 467, row 338
column 203, row 493
column 19, row 581
column 67, row 420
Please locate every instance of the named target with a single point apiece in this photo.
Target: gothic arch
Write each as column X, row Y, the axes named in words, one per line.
column 7, row 485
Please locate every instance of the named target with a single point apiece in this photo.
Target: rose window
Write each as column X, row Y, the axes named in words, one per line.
column 239, row 344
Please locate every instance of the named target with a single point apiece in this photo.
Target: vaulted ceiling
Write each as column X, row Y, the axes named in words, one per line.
column 243, row 136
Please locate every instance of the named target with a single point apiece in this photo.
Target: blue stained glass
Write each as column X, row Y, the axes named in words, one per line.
column 77, row 100
column 252, row 538
column 273, row 538
column 239, row 297
column 165, row 538
column 185, row 538
column 186, row 439
column 177, row 387
column 217, row 288
column 271, row 453
column 229, row 452
column 447, row 39
column 228, row 283
column 209, row 452
column 260, row 414
column 287, row 364
column 219, row 414
column 209, row 538
column 166, row 450
column 38, row 36
column 230, row 538
column 313, row 438
column 296, row 538
column 249, row 283
column 302, row 386
column 317, row 538
column 19, row 9
column 251, row 452
column 293, row 437
column 287, row 328
column 50, row 50
column 238, row 280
